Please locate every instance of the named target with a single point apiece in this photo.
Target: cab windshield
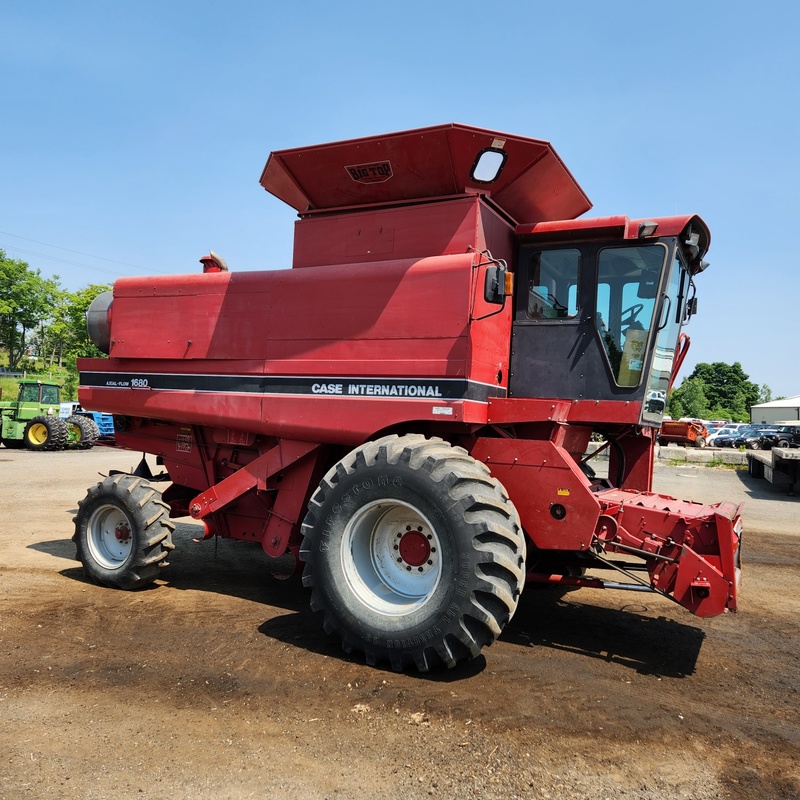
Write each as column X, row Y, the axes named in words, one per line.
column 627, row 290
column 672, row 316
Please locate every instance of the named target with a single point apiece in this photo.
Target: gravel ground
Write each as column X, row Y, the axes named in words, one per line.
column 219, row 682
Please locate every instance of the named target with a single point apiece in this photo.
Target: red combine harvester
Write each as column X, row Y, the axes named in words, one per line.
column 408, row 409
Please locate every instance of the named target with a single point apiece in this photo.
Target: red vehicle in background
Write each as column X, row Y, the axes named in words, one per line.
column 407, row 409
column 686, row 432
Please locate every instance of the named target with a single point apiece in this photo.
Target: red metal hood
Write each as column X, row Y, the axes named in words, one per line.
column 534, row 184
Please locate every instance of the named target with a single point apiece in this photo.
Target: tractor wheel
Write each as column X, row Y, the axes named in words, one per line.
column 45, row 433
column 699, row 442
column 783, row 443
column 414, row 553
column 123, row 533
column 84, row 431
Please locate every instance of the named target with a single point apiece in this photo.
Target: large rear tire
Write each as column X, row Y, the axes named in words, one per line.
column 123, row 533
column 414, row 553
column 45, row 433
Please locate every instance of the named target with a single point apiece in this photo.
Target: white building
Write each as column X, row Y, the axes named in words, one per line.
column 786, row 410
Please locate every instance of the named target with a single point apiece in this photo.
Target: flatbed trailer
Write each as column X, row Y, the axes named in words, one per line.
column 780, row 466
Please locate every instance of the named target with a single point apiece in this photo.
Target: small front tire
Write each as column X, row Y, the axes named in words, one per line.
column 123, row 533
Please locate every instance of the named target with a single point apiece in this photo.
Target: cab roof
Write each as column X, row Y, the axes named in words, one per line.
column 419, row 165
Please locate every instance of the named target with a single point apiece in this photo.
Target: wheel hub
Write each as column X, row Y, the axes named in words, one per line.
column 123, row 532
column 414, row 547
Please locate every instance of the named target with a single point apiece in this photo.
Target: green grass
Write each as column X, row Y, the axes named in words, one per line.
column 10, row 386
column 714, row 463
column 718, row 463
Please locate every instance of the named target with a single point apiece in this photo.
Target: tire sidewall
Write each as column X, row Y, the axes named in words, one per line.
column 86, row 431
column 103, row 574
column 31, row 444
column 391, row 482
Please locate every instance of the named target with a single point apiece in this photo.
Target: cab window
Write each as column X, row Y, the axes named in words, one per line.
column 49, row 394
column 29, row 393
column 552, row 287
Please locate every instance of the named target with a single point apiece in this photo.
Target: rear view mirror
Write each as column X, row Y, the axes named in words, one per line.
column 494, row 285
column 648, row 284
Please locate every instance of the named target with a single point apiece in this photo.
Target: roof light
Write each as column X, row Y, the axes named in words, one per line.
column 647, row 228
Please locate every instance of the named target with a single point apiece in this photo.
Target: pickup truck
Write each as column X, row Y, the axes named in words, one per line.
column 781, row 436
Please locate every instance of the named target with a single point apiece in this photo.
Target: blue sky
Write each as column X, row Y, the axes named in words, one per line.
column 134, row 133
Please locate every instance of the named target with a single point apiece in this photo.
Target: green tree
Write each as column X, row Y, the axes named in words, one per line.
column 689, row 400
column 674, row 405
column 71, row 323
column 716, row 391
column 26, row 300
column 727, row 386
column 64, row 338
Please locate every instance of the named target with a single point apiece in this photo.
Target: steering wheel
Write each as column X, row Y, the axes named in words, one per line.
column 634, row 312
column 622, row 322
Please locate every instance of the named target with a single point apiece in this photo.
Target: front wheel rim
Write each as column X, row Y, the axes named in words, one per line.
column 391, row 557
column 109, row 536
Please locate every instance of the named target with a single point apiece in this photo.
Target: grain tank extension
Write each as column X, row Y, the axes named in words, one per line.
column 408, row 409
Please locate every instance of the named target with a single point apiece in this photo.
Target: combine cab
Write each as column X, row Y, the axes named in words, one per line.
column 407, row 409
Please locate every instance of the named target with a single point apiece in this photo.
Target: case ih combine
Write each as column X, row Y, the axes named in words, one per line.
column 408, row 408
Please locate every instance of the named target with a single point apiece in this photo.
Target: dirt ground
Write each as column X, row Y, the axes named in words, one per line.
column 219, row 683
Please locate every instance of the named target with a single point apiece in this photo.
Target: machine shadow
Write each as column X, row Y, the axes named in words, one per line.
column 545, row 617
column 762, row 489
column 58, row 548
column 304, row 630
column 649, row 645
column 221, row 566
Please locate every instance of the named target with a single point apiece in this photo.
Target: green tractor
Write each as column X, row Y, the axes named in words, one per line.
column 33, row 421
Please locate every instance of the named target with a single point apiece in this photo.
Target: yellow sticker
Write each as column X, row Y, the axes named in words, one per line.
column 563, row 492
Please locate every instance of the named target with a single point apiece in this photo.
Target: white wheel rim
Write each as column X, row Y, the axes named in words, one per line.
column 109, row 535
column 391, row 557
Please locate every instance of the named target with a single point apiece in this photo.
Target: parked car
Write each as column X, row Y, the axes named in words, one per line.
column 716, row 434
column 781, row 436
column 737, row 437
column 752, row 437
column 712, row 426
